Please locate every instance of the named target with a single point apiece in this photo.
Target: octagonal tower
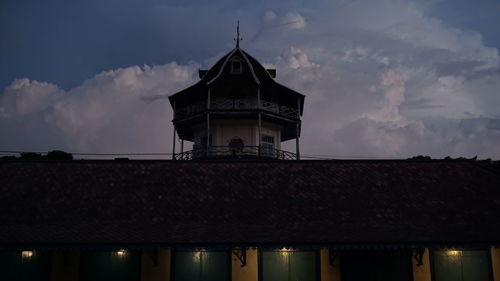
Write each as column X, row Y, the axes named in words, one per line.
column 237, row 110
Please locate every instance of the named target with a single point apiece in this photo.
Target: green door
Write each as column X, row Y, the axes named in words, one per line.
column 33, row 266
column 106, row 266
column 289, row 266
column 375, row 265
column 461, row 265
column 201, row 266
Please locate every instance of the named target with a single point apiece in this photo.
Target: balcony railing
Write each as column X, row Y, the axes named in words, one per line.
column 226, row 152
column 236, row 104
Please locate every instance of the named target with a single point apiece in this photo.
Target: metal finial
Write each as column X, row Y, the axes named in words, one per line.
column 238, row 38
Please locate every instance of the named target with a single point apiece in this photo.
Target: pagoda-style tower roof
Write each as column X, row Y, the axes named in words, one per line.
column 237, row 76
column 253, row 74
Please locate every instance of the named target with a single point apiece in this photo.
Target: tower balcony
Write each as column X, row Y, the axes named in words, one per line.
column 237, row 105
column 230, row 152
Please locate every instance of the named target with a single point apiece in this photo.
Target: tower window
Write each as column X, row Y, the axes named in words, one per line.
column 236, row 66
column 267, row 144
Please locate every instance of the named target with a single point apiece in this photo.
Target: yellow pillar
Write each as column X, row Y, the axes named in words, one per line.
column 495, row 263
column 423, row 272
column 150, row 271
column 65, row 266
column 249, row 272
column 328, row 272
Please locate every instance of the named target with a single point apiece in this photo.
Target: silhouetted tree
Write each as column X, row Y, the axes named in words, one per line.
column 31, row 156
column 420, row 157
column 52, row 155
column 9, row 157
column 58, row 155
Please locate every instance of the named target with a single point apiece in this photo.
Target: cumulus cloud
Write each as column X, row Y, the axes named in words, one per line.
column 392, row 85
column 295, row 58
column 381, row 78
column 23, row 97
column 118, row 111
column 291, row 20
column 396, row 84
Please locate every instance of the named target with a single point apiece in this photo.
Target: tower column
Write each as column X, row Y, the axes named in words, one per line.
column 173, row 141
column 297, row 145
column 260, row 120
column 208, row 122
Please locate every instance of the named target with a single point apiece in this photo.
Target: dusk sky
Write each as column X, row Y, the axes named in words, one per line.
column 382, row 78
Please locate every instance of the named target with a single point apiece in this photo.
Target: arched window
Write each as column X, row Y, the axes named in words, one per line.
column 236, row 145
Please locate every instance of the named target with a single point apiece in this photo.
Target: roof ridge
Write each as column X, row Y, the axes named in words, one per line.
column 244, row 55
column 222, row 66
column 250, row 65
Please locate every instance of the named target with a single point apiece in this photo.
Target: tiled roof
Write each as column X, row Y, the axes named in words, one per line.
column 229, row 203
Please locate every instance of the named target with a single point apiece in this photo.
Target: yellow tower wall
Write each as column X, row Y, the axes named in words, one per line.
column 222, row 131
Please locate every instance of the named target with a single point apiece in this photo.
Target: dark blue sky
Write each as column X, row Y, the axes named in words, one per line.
column 65, row 42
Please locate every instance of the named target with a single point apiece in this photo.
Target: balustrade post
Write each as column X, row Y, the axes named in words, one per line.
column 297, row 148
column 173, row 142
column 208, row 122
column 260, row 120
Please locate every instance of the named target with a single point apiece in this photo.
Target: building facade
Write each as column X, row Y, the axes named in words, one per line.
column 254, row 265
column 249, row 220
column 231, row 209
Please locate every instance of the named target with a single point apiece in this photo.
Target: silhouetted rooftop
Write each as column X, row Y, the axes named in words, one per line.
column 335, row 203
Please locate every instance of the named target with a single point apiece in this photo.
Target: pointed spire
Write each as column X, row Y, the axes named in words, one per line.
column 238, row 38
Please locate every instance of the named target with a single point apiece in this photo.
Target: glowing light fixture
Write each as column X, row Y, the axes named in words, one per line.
column 197, row 257
column 27, row 254
column 453, row 253
column 121, row 253
column 285, row 252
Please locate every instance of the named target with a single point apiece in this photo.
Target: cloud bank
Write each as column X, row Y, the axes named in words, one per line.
column 119, row 111
column 381, row 80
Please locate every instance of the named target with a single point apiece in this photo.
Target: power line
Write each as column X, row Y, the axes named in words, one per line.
column 330, row 157
column 303, row 156
column 120, row 154
column 91, row 153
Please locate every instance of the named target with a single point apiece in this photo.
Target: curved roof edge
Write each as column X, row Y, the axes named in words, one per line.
column 228, row 57
column 258, row 71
